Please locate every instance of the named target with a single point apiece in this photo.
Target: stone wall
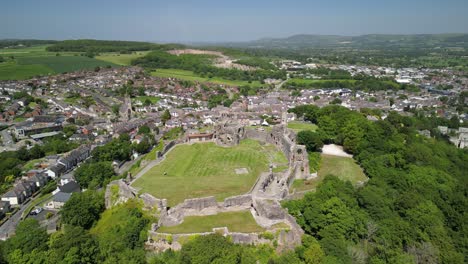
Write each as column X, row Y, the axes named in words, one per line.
column 270, row 209
column 256, row 135
column 203, row 206
column 228, row 133
column 285, row 140
column 239, row 201
column 118, row 192
column 166, row 148
column 198, row 203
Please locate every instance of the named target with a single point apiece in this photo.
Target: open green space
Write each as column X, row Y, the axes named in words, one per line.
column 298, row 126
column 25, row 63
column 242, row 221
column 12, row 71
column 64, row 63
column 120, row 59
column 205, row 169
column 344, row 168
column 191, row 76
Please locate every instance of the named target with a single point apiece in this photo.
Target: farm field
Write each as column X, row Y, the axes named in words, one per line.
column 242, row 221
column 191, row 76
column 62, row 64
column 120, row 59
column 12, row 71
column 343, row 167
column 298, row 126
column 206, row 169
column 25, row 63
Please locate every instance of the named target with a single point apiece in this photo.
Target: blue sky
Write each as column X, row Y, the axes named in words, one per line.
column 233, row 20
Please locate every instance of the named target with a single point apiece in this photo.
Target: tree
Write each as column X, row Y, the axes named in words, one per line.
column 310, row 139
column 74, row 243
column 83, row 209
column 165, row 116
column 144, row 130
column 93, row 174
column 29, row 236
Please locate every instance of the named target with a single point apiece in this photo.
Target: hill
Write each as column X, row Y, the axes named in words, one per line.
column 372, row 41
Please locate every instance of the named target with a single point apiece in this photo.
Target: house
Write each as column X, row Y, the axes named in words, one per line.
column 5, row 207
column 72, row 158
column 40, row 179
column 69, row 187
column 59, row 200
column 56, row 170
column 79, row 137
column 66, row 178
column 255, row 121
column 14, row 197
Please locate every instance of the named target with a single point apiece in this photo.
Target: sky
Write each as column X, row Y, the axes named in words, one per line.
column 221, row 20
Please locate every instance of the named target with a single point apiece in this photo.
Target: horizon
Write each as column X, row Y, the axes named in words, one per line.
column 260, row 38
column 213, row 22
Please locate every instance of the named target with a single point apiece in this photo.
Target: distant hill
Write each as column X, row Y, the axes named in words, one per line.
column 372, row 41
column 17, row 43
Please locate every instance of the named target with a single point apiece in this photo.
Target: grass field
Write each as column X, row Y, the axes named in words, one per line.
column 13, row 71
column 61, row 64
column 191, row 76
column 205, row 169
column 344, row 168
column 242, row 221
column 25, row 63
column 298, row 126
column 121, row 59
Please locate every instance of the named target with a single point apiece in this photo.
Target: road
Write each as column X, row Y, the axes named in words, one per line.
column 9, row 227
column 6, row 138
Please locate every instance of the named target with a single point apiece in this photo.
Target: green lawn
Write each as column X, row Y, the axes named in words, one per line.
column 191, row 76
column 242, row 221
column 298, row 126
column 344, row 168
column 205, row 169
column 121, row 59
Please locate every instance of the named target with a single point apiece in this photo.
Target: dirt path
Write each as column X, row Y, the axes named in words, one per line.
column 335, row 150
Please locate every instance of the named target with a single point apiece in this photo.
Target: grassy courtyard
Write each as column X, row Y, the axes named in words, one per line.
column 242, row 221
column 206, row 169
column 298, row 126
column 344, row 168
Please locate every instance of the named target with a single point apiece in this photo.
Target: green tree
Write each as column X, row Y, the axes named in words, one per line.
column 310, row 139
column 83, row 209
column 29, row 236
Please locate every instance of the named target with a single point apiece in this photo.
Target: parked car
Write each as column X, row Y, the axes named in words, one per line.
column 36, row 211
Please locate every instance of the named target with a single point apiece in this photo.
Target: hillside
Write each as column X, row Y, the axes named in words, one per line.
column 371, row 41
